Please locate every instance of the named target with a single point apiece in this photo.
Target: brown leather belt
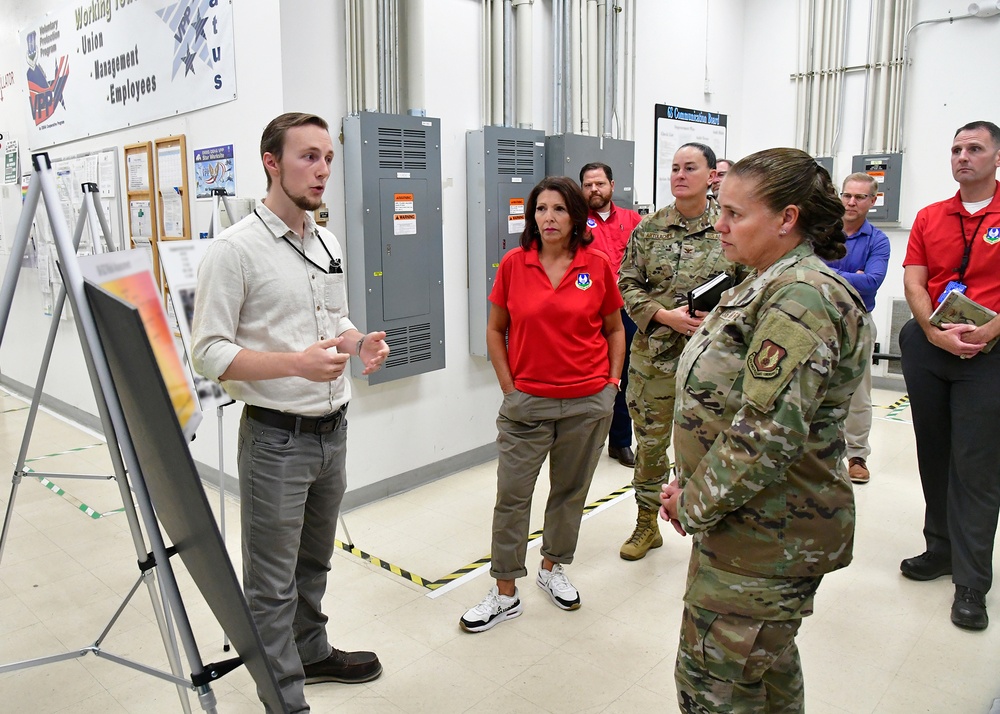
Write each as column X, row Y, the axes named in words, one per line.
column 294, row 422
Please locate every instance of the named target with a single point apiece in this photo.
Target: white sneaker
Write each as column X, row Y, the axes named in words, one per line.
column 494, row 609
column 558, row 586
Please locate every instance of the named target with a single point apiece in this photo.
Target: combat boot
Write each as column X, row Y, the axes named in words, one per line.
column 646, row 536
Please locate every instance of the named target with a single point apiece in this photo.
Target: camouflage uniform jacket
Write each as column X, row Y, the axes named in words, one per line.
column 667, row 256
column 762, row 392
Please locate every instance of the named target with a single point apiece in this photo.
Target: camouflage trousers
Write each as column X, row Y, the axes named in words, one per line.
column 736, row 664
column 650, row 395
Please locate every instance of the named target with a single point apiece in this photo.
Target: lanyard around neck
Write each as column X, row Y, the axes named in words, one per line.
column 334, row 262
column 968, row 246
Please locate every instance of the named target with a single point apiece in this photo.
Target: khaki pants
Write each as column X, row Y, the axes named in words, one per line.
column 859, row 418
column 571, row 433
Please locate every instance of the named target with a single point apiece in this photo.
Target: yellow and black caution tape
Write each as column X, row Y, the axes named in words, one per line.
column 898, row 407
column 394, row 569
column 465, row 569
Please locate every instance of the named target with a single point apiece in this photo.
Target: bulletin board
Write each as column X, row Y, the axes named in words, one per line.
column 674, row 127
column 142, row 225
column 172, row 194
column 99, row 167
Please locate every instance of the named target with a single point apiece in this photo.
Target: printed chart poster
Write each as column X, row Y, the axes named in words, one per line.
column 179, row 260
column 95, row 66
column 676, row 126
column 127, row 275
column 214, row 168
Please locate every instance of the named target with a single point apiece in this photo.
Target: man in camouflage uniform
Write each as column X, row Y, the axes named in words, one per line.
column 670, row 252
column 765, row 385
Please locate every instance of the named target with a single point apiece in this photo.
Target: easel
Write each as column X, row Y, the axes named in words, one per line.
column 90, row 214
column 173, row 616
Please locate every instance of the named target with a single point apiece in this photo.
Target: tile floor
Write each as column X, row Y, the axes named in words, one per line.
column 877, row 643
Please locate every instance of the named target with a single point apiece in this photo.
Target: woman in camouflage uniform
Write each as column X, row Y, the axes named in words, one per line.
column 762, row 391
column 669, row 253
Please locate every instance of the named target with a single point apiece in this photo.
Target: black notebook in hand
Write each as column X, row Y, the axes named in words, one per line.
column 707, row 295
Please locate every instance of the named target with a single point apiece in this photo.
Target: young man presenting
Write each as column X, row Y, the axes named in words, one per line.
column 271, row 324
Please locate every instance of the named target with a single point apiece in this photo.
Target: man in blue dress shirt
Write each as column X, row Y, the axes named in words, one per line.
column 863, row 267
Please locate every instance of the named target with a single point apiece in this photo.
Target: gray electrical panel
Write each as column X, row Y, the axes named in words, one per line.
column 565, row 155
column 827, row 163
column 503, row 165
column 887, row 170
column 395, row 261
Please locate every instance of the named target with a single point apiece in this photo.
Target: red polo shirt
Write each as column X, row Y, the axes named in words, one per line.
column 555, row 346
column 611, row 236
column 937, row 242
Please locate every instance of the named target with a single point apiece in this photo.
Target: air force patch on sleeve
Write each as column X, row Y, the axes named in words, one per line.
column 765, row 363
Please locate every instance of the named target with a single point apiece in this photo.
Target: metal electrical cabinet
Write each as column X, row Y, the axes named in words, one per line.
column 887, row 169
column 566, row 154
column 503, row 165
column 395, row 261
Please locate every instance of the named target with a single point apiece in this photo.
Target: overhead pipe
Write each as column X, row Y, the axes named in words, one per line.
column 499, row 56
column 524, row 74
column 883, row 79
column 557, row 65
column 351, row 54
column 486, row 110
column 601, row 50
column 610, row 67
column 508, row 64
column 567, row 63
column 576, row 62
column 369, row 73
column 415, row 72
column 868, row 79
column 593, row 52
column 842, row 20
column 628, row 114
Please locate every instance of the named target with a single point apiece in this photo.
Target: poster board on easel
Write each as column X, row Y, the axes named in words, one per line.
column 143, row 227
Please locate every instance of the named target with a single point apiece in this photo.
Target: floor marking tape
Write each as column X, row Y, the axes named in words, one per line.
column 472, row 570
column 76, row 502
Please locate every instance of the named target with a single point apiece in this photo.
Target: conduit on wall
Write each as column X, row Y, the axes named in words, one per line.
column 586, row 64
column 374, row 54
column 822, row 67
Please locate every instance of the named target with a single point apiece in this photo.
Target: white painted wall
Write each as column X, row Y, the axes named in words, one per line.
column 290, row 56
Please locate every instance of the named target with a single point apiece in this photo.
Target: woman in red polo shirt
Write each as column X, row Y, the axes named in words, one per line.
column 556, row 341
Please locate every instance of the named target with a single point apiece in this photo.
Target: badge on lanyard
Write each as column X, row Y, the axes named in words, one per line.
column 952, row 285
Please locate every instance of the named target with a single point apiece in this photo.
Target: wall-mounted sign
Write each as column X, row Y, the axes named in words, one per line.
column 98, row 66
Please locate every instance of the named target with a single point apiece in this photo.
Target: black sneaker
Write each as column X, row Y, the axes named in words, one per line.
column 344, row 667
column 926, row 566
column 969, row 609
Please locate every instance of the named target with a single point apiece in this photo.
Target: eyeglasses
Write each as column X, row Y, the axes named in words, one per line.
column 859, row 197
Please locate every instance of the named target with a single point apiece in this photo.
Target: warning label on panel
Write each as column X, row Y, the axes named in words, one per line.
column 404, row 202
column 517, row 206
column 404, row 224
column 515, row 224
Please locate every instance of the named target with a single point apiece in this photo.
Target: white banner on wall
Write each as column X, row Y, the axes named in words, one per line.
column 100, row 65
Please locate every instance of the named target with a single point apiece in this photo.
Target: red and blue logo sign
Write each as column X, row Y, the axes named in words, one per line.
column 44, row 95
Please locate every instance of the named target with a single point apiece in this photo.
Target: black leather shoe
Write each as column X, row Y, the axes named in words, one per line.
column 624, row 455
column 969, row 609
column 344, row 667
column 926, row 566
